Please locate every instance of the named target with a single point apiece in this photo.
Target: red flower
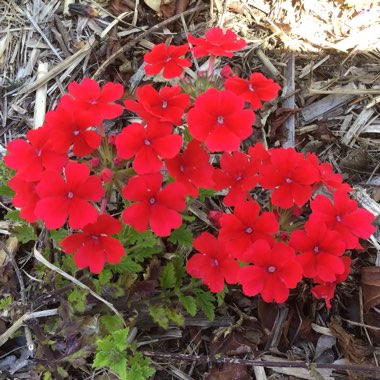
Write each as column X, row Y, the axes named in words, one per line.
column 226, row 72
column 166, row 106
column 290, row 175
column 259, row 154
column 157, row 207
column 213, row 264
column 25, row 198
column 88, row 96
column 332, row 181
column 237, row 173
column 344, row 217
column 31, row 158
column 71, row 127
column 242, row 228
column 275, row 271
column 320, row 249
column 94, row 247
column 192, row 168
column 219, row 119
column 167, row 58
column 106, row 175
column 255, row 91
column 60, row 199
column 216, row 42
column 326, row 290
column 147, row 144
column 214, row 217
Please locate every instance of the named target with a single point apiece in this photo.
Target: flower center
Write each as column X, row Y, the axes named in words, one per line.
column 147, row 142
column 152, row 201
column 238, row 177
column 76, row 133
column 95, row 237
column 164, row 104
column 288, row 180
column 316, row 249
column 70, row 195
column 271, row 269
column 250, row 88
column 338, row 218
column 182, row 168
column 214, row 262
column 220, row 120
column 248, row 230
column 38, row 152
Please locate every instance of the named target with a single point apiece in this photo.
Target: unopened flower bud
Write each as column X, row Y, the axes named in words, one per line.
column 112, row 138
column 117, row 160
column 214, row 217
column 226, row 72
column 106, row 175
column 94, row 162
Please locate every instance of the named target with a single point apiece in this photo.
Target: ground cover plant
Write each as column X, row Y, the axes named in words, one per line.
column 114, row 203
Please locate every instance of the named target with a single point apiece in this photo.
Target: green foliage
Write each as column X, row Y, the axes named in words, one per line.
column 182, row 236
column 58, row 235
column 5, row 175
column 5, row 302
column 78, row 299
column 22, row 230
column 205, row 301
column 114, row 352
column 188, row 303
column 162, row 315
column 168, row 277
column 205, row 193
column 110, row 322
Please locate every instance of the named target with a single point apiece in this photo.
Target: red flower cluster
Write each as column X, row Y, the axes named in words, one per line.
column 166, row 157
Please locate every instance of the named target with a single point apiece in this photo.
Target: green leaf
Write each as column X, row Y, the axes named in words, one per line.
column 140, row 367
column 179, row 267
column 205, row 193
column 58, row 235
column 159, row 315
column 188, row 218
column 188, row 303
column 205, row 301
column 78, row 299
column 111, row 352
column 25, row 233
column 14, row 216
column 175, row 316
column 168, row 278
column 220, row 296
column 6, row 301
column 182, row 236
column 144, row 239
column 110, row 323
column 6, row 191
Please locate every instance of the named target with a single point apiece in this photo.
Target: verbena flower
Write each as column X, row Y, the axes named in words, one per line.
column 31, row 158
column 212, row 264
column 219, row 119
column 237, row 173
column 216, row 42
column 320, row 250
column 166, row 106
column 168, row 59
column 70, row 127
column 256, row 90
column 291, row 177
column 326, row 290
column 192, row 168
column 62, row 199
column 147, row 145
column 275, row 270
column 244, row 226
column 95, row 100
column 93, row 247
column 154, row 206
column 343, row 216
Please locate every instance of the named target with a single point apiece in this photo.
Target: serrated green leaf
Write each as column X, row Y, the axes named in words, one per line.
column 179, row 267
column 159, row 315
column 110, row 323
column 14, row 216
column 58, row 235
column 168, row 278
column 144, row 239
column 205, row 301
column 25, row 233
column 78, row 299
column 140, row 367
column 6, row 191
column 205, row 193
column 175, row 316
column 188, row 302
column 220, row 296
column 182, row 236
column 6, row 301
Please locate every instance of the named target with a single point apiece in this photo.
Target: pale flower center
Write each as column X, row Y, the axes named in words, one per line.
column 249, row 230
column 76, row 133
column 70, row 195
column 220, row 120
column 214, row 262
column 288, row 180
column 271, row 269
column 338, row 218
column 250, row 88
column 147, row 142
column 95, row 237
column 316, row 249
column 152, row 201
column 164, row 104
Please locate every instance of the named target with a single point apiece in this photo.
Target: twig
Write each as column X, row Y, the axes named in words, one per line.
column 267, row 363
column 40, row 103
column 42, row 260
column 139, row 38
